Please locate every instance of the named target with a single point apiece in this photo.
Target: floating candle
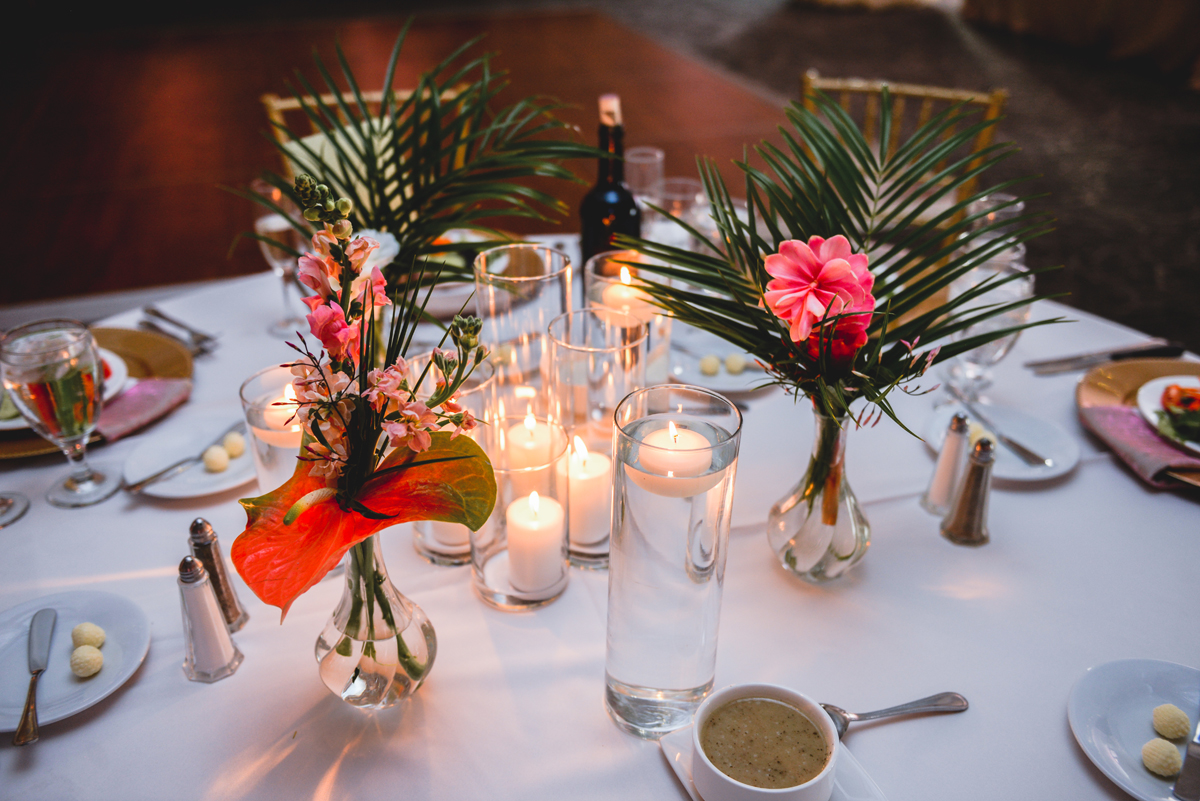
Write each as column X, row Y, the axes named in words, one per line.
column 534, row 527
column 625, row 297
column 282, row 428
column 673, row 462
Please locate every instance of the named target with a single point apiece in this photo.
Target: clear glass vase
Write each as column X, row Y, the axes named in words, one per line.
column 818, row 530
column 378, row 646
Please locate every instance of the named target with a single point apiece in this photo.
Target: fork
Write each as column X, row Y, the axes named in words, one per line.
column 199, row 339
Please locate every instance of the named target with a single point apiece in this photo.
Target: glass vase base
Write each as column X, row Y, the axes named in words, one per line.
column 650, row 713
column 589, row 557
column 72, row 493
column 371, row 674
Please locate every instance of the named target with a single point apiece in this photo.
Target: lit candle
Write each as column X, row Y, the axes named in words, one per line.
column 673, row 462
column 528, row 444
column 586, row 479
column 282, row 429
column 535, row 543
column 451, row 535
column 627, row 298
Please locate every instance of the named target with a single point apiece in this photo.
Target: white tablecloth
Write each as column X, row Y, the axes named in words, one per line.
column 1091, row 568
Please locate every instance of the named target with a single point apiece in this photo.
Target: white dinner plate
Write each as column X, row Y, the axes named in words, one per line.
column 689, row 345
column 1111, row 711
column 160, row 450
column 1043, row 436
column 1149, row 401
column 118, row 374
column 850, row 781
column 60, row 693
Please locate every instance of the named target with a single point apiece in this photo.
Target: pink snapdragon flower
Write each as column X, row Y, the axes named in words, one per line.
column 319, row 275
column 413, row 428
column 374, row 283
column 328, row 324
column 385, row 386
column 818, row 280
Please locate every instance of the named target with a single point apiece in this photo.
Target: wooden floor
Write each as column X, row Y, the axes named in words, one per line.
column 117, row 145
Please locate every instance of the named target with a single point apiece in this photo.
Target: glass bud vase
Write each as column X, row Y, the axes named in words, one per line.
column 818, row 530
column 378, row 646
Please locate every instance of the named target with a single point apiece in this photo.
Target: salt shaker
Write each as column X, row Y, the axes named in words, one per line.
column 205, row 547
column 949, row 469
column 210, row 652
column 967, row 522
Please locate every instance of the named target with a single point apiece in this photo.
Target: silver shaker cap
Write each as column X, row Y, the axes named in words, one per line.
column 191, row 570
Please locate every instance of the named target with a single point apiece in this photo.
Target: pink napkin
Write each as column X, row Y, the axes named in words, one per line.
column 1125, row 431
column 142, row 404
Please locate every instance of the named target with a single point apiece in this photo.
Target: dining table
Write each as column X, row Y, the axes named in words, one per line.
column 1084, row 569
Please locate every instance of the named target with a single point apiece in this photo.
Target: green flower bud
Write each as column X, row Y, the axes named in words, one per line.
column 344, row 206
column 312, row 214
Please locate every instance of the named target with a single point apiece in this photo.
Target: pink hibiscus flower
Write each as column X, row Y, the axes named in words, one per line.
column 819, row 279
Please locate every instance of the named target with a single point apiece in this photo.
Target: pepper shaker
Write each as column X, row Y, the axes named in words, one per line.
column 210, row 654
column 967, row 522
column 949, row 469
column 207, row 549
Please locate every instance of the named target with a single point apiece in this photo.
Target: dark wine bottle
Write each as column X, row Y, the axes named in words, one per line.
column 608, row 208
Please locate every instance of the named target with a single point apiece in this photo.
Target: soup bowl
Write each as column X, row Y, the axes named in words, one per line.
column 713, row 785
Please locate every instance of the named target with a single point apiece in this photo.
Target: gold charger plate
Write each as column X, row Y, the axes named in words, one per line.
column 147, row 355
column 1117, row 384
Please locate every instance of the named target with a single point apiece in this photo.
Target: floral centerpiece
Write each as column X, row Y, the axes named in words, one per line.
column 374, row 455
column 834, row 277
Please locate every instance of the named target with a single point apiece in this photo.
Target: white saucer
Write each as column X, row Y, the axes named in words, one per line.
column 1110, row 710
column 1149, row 401
column 60, row 693
column 850, row 781
column 160, row 450
column 1045, row 437
column 689, row 345
column 118, row 375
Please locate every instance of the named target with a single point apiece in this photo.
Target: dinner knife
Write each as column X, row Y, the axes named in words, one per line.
column 41, row 629
column 1187, row 786
column 1155, row 348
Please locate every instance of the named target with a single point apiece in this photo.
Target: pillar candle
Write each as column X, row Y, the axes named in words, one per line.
column 587, row 480
column 535, row 543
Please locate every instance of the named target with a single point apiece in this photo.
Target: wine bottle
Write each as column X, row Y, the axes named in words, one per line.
column 608, row 208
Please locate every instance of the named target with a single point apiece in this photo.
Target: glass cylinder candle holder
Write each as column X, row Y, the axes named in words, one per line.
column 597, row 357
column 438, row 542
column 519, row 556
column 519, row 289
column 269, row 404
column 676, row 454
column 611, row 281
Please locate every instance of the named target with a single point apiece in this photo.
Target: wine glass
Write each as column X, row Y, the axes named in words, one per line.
column 276, row 226
column 53, row 372
column 13, row 505
column 971, row 371
column 644, row 174
column 684, row 198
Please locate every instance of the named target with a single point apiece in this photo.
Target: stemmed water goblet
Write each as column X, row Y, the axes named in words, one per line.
column 53, row 372
column 273, row 225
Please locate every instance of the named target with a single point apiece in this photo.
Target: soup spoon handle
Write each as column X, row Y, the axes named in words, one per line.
column 942, row 702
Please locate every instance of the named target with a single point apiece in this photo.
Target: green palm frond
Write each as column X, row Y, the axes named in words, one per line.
column 437, row 160
column 903, row 209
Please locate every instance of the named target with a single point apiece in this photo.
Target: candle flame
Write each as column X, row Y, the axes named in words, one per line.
column 533, row 503
column 626, row 278
column 289, row 393
column 674, row 432
column 581, row 449
column 530, row 422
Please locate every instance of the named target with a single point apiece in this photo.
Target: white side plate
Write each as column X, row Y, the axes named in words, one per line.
column 60, row 693
column 161, row 449
column 1149, row 401
column 1045, row 437
column 1111, row 711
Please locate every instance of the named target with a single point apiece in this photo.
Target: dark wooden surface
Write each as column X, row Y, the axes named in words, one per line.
column 117, row 143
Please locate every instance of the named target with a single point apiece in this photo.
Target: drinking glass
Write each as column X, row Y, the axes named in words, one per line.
column 676, row 455
column 971, row 371
column 53, row 371
column 275, row 226
column 597, row 357
column 269, row 404
column 644, row 174
column 684, row 198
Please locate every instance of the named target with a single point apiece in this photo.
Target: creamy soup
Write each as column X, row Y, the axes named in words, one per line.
column 764, row 743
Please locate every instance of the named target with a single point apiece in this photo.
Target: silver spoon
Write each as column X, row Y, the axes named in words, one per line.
column 942, row 702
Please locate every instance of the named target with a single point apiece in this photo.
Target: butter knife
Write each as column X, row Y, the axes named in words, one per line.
column 41, row 630
column 182, row 464
column 1157, row 348
column 1187, row 786
column 1027, row 455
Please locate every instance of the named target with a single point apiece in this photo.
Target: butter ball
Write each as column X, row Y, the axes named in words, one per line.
column 1162, row 757
column 234, row 444
column 710, row 365
column 87, row 634
column 735, row 363
column 977, row 432
column 216, row 459
column 1171, row 722
column 87, row 661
